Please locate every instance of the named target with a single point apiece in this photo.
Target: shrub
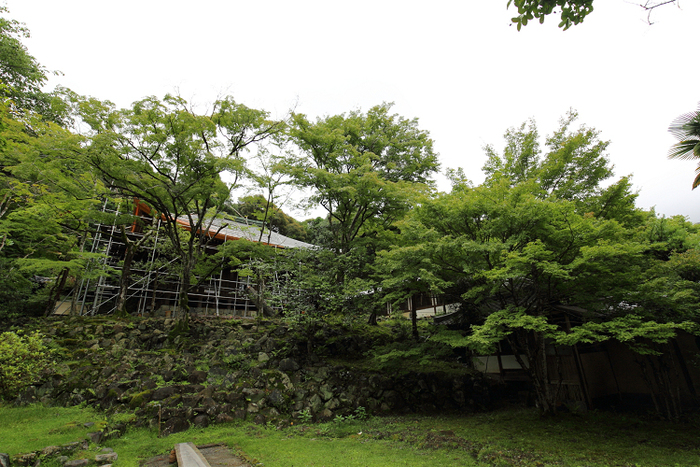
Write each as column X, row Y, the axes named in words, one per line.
column 22, row 359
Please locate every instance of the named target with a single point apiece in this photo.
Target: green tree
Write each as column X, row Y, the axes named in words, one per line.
column 686, row 128
column 573, row 167
column 21, row 75
column 516, row 258
column 170, row 158
column 521, row 155
column 366, row 170
column 520, row 246
column 44, row 194
column 363, row 168
column 571, row 12
column 47, row 198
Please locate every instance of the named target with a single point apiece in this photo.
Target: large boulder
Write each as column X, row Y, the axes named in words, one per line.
column 288, row 365
column 174, row 425
column 201, row 421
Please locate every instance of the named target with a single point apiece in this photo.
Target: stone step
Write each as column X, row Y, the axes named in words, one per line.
column 189, row 456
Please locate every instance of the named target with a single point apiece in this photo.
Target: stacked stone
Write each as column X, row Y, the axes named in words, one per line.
column 226, row 370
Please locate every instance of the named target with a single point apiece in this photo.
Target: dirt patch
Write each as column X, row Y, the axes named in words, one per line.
column 218, row 455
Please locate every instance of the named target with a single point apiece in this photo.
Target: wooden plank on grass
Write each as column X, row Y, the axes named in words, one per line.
column 189, row 456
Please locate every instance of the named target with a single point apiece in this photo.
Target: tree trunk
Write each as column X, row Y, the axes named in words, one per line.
column 414, row 319
column 532, row 344
column 55, row 293
column 125, row 279
column 546, row 396
column 664, row 391
column 256, row 297
column 372, row 321
column 131, row 249
column 74, row 304
column 183, row 305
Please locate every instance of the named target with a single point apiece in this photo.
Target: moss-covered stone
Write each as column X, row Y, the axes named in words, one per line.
column 140, row 399
column 145, row 358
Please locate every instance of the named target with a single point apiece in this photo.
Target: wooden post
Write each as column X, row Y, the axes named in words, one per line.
column 414, row 318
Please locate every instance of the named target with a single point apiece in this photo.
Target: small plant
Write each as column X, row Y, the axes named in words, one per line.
column 342, row 418
column 305, row 416
column 234, row 360
column 202, row 365
column 160, row 381
column 361, row 413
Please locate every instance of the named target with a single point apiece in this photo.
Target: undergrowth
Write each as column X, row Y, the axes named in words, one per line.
column 512, row 437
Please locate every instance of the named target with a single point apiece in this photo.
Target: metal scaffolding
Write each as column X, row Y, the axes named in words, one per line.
column 155, row 287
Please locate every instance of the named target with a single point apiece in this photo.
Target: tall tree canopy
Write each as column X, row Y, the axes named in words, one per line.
column 22, row 76
column 574, row 167
column 47, row 193
column 170, row 158
column 363, row 168
column 519, row 247
column 47, row 198
column 366, row 170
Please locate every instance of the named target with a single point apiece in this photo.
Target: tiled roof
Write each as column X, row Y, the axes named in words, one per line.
column 227, row 229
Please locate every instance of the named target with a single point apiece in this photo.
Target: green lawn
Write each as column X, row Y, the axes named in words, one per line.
column 350, row 452
column 34, row 427
column 517, row 437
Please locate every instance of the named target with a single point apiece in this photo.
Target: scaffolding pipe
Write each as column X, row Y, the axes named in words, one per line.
column 228, row 292
column 101, row 280
column 86, row 282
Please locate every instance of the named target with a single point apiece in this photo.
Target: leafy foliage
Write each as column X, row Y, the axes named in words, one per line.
column 686, row 128
column 48, row 196
column 364, row 168
column 572, row 11
column 409, row 356
column 22, row 77
column 541, row 238
column 22, row 359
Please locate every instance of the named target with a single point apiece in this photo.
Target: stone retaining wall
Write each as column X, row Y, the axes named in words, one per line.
column 235, row 369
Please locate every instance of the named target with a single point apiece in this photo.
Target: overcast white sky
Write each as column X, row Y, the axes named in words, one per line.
column 458, row 66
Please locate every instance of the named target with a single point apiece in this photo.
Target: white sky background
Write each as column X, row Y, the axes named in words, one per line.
column 458, row 66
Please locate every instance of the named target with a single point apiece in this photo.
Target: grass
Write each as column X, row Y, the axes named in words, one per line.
column 35, row 427
column 318, row 445
column 348, row 452
column 513, row 437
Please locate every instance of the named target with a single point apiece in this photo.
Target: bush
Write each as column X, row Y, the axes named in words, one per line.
column 22, row 359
